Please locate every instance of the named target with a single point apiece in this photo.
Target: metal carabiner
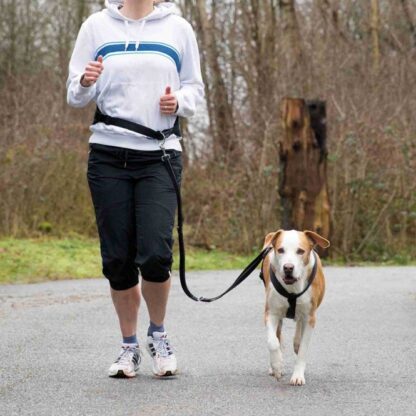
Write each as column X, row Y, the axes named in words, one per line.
column 162, row 147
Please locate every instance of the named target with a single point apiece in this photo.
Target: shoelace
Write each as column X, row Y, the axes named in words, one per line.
column 162, row 347
column 126, row 355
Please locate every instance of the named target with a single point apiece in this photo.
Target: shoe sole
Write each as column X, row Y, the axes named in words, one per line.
column 121, row 374
column 168, row 374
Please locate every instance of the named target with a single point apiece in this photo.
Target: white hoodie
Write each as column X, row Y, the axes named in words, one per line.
column 141, row 58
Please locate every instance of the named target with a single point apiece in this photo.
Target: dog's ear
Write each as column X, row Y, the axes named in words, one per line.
column 317, row 239
column 271, row 238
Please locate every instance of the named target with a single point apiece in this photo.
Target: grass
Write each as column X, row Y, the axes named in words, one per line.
column 37, row 260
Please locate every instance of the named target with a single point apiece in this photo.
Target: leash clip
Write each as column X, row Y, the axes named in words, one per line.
column 165, row 156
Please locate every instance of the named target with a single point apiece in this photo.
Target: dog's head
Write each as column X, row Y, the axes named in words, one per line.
column 292, row 251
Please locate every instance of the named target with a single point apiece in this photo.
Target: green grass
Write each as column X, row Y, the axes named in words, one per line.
column 37, row 260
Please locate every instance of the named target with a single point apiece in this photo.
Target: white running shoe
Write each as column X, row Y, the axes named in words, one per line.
column 164, row 360
column 127, row 363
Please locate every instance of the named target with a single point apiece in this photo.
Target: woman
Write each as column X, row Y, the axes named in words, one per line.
column 139, row 62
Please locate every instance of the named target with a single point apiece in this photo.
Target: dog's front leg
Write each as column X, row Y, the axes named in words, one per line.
column 298, row 377
column 273, row 343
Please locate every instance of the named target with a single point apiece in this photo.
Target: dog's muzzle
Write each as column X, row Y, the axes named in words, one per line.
column 289, row 279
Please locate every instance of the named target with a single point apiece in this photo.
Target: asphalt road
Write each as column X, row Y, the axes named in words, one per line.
column 58, row 339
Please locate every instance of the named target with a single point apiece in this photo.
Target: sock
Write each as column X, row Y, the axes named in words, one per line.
column 130, row 340
column 154, row 328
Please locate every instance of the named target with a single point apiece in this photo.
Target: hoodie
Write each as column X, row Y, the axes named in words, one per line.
column 141, row 58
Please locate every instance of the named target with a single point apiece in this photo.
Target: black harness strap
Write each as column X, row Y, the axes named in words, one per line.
column 161, row 136
column 292, row 297
column 99, row 117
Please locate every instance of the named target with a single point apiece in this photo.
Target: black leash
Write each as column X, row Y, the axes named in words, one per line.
column 292, row 297
column 243, row 275
column 168, row 165
column 182, row 275
column 161, row 136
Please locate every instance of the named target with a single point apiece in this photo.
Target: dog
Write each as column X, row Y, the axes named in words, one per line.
column 287, row 271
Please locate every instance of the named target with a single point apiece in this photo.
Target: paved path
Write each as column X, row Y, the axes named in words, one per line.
column 58, row 339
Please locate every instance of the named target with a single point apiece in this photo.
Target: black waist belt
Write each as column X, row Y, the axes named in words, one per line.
column 99, row 117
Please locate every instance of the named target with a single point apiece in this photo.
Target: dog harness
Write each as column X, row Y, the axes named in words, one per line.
column 292, row 297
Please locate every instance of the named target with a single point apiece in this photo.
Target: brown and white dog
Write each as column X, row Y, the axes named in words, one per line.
column 292, row 262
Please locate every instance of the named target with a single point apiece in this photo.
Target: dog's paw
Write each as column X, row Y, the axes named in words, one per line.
column 297, row 379
column 277, row 374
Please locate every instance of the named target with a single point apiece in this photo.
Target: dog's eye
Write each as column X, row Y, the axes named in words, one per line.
column 281, row 250
column 300, row 251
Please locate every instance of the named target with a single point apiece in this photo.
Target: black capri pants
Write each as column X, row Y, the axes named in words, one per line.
column 135, row 204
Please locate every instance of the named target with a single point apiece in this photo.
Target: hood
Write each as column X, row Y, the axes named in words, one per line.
column 161, row 10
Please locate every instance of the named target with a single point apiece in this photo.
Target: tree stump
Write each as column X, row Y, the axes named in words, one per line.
column 303, row 166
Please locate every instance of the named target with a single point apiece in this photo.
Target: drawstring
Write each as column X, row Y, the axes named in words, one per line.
column 126, row 25
column 140, row 34
column 137, row 42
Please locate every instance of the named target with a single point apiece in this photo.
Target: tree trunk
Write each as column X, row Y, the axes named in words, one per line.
column 291, row 35
column 221, row 115
column 82, row 12
column 375, row 34
column 409, row 20
column 303, row 156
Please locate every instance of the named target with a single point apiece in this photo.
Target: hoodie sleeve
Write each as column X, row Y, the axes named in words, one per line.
column 191, row 92
column 77, row 95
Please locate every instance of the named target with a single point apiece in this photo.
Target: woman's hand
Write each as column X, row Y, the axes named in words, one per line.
column 92, row 72
column 168, row 103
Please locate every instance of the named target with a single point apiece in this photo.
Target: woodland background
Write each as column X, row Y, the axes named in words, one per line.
column 357, row 55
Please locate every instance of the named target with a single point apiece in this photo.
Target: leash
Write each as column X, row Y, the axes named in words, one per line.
column 99, row 117
column 182, row 274
column 292, row 297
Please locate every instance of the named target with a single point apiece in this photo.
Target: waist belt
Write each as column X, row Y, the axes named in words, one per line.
column 99, row 117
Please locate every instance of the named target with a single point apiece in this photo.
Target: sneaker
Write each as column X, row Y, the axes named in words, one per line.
column 127, row 363
column 164, row 360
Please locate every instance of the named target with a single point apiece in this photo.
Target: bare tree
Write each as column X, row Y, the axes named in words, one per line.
column 254, row 53
column 290, row 29
column 218, row 97
column 375, row 33
column 409, row 20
